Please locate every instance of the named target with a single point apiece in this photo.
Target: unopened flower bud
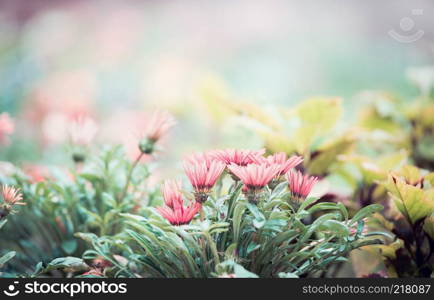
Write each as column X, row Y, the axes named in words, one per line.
column 147, row 146
column 78, row 157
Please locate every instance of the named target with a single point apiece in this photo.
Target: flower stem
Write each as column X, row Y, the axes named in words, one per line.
column 130, row 175
column 201, row 214
column 213, row 247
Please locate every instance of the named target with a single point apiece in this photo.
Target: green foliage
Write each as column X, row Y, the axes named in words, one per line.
column 411, row 205
column 57, row 208
column 7, row 257
column 67, row 264
column 237, row 238
column 99, row 218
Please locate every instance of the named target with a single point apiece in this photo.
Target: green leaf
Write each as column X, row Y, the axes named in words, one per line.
column 39, row 268
column 109, row 200
column 307, row 202
column 7, row 257
column 218, row 227
column 233, row 199
column 73, row 263
column 94, row 217
column 365, row 212
column 69, row 246
column 231, row 267
column 241, row 272
column 336, row 227
column 275, row 224
column 252, row 247
column 318, row 116
column 413, row 202
column 328, row 155
column 88, row 237
column 343, row 210
column 313, row 228
column 411, row 174
column 90, row 177
column 237, row 219
column 430, row 178
column 428, row 226
column 323, row 206
column 69, row 264
column 231, row 251
column 2, row 223
column 259, row 219
column 425, row 146
column 281, row 187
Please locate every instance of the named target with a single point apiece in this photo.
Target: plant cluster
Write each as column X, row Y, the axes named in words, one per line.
column 317, row 198
column 246, row 214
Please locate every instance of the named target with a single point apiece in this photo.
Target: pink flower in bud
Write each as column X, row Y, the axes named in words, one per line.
column 7, row 127
column 280, row 159
column 238, row 157
column 202, row 174
column 82, row 131
column 174, row 210
column 255, row 177
column 11, row 195
column 299, row 185
column 159, row 124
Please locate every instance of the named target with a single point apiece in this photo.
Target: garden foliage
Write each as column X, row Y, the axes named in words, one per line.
column 306, row 205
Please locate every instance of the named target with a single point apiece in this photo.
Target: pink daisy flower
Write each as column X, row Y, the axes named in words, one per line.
column 240, row 157
column 203, row 176
column 199, row 157
column 174, row 210
column 280, row 159
column 255, row 177
column 299, row 185
column 7, row 127
column 159, row 124
column 12, row 196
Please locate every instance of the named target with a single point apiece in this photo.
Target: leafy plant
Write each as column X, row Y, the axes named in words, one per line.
column 56, row 209
column 410, row 220
column 269, row 237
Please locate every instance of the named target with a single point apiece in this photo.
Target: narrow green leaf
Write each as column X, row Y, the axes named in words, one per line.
column 365, row 212
column 7, row 257
column 259, row 219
